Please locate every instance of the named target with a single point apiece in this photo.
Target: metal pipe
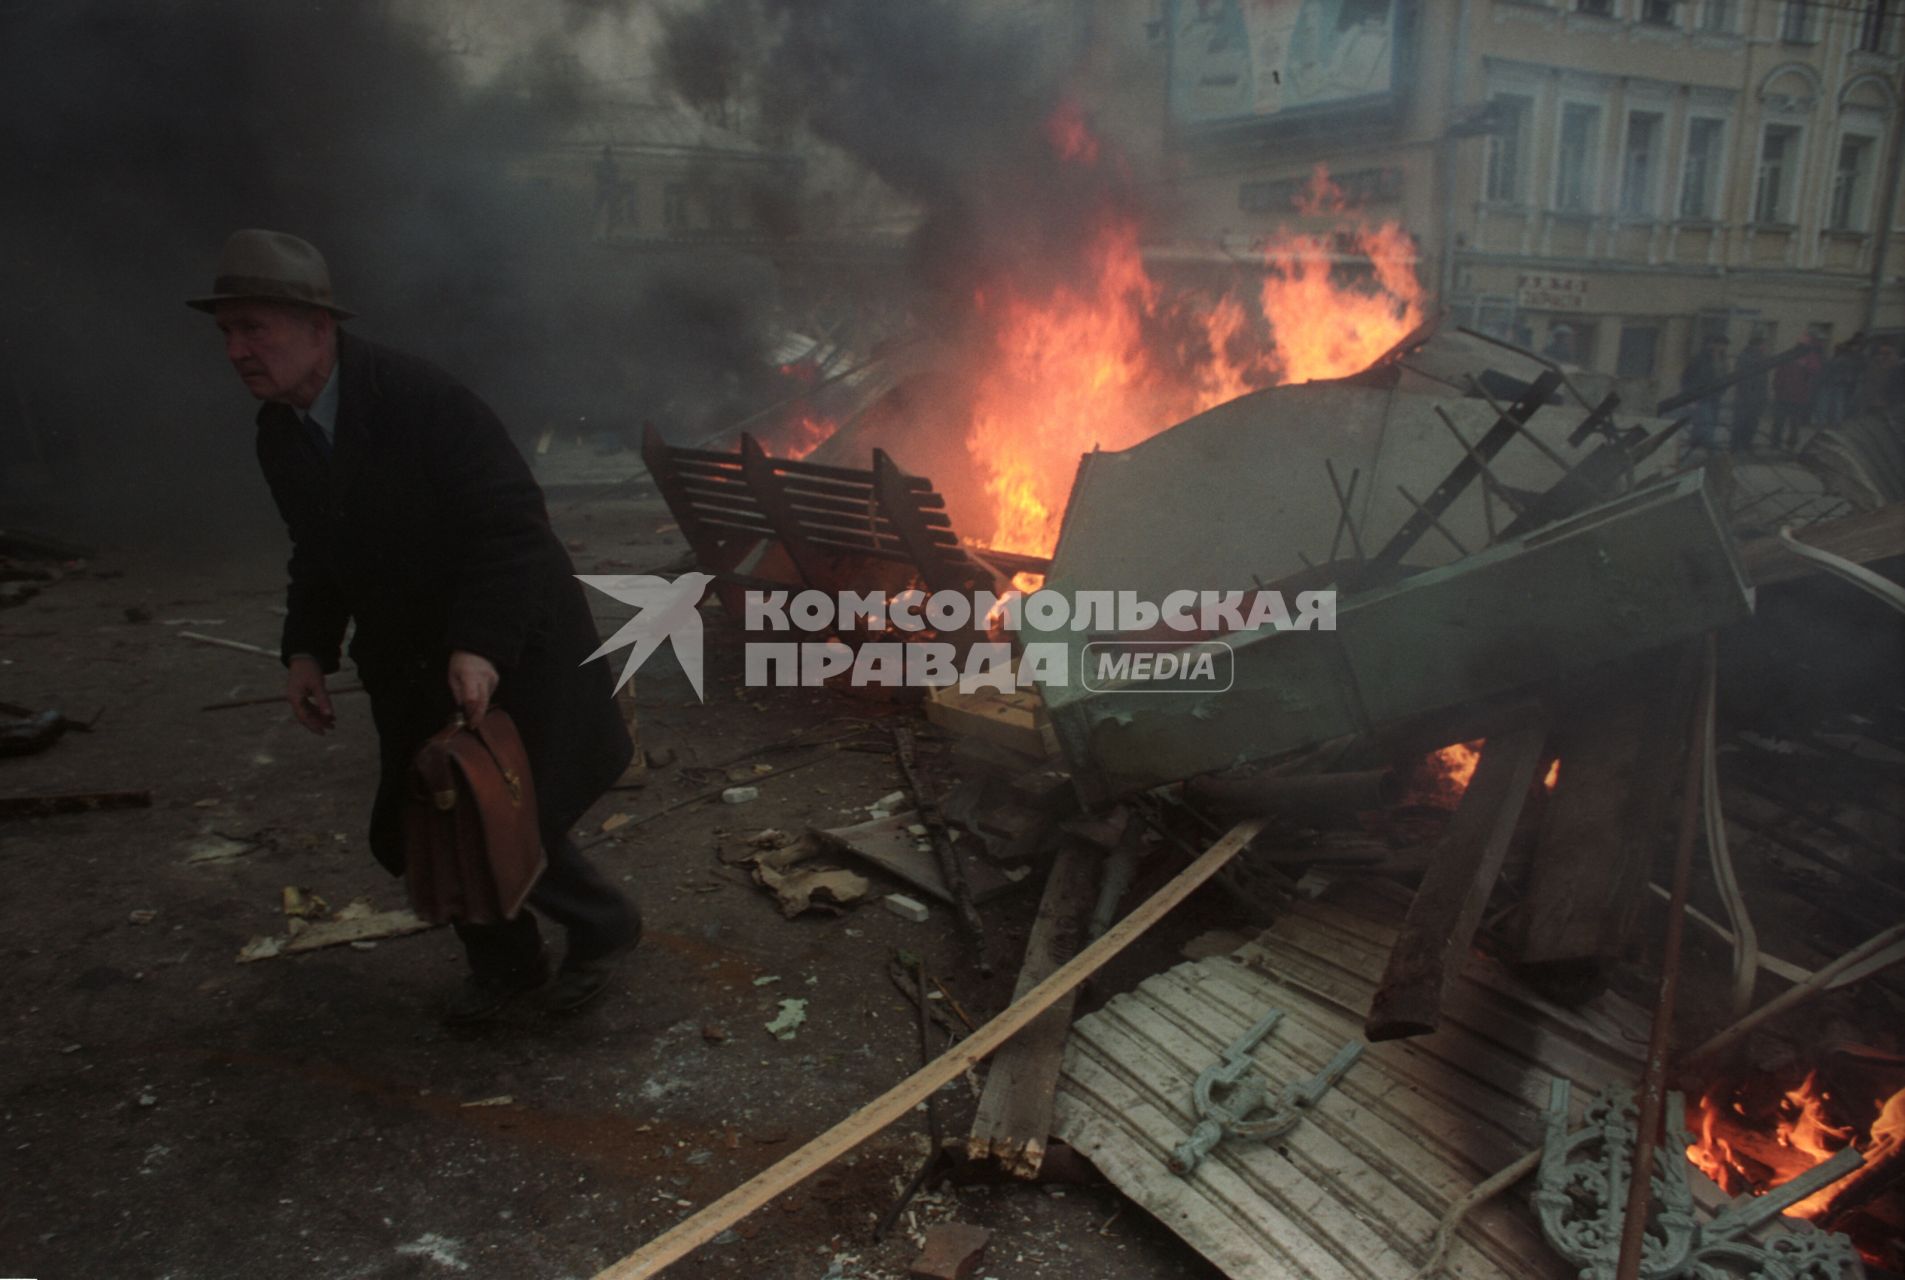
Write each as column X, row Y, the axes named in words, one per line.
column 1888, row 205
column 1458, row 76
column 1653, row 1088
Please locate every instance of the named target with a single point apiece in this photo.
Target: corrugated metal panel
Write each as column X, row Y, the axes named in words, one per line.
column 1356, row 1190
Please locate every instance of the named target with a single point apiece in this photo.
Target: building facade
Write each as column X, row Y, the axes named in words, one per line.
column 1608, row 181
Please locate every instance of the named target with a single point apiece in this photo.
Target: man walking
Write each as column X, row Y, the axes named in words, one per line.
column 411, row 512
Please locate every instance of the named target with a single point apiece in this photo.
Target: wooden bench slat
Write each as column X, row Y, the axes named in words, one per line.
column 793, row 469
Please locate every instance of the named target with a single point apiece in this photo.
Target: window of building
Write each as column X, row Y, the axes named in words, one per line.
column 1640, row 164
column 720, row 207
column 674, row 206
column 1657, row 12
column 1799, row 22
column 1700, row 181
column 1710, row 326
column 1595, row 8
column 1778, row 174
column 1639, row 344
column 1507, row 141
column 1496, row 316
column 1575, row 158
column 1716, row 17
column 1851, row 178
column 1875, row 26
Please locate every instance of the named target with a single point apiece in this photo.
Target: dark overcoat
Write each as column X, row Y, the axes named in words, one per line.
column 427, row 529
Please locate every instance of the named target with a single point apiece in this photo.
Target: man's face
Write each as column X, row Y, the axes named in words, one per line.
column 281, row 351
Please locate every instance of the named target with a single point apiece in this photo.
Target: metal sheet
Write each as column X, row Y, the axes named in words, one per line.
column 1356, row 1190
column 1650, row 568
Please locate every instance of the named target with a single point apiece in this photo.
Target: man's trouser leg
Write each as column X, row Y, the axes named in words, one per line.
column 575, row 894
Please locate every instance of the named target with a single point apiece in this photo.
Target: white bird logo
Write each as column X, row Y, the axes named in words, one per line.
column 667, row 612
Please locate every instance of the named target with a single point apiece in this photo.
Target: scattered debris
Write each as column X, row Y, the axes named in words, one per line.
column 28, row 735
column 805, row 888
column 789, row 1020
column 951, row 1252
column 77, row 802
column 906, row 908
column 358, row 922
column 740, row 795
column 500, row 1100
column 144, row 915
column 889, row 845
column 201, row 638
column 302, row 904
column 886, row 805
column 800, row 887
column 213, row 847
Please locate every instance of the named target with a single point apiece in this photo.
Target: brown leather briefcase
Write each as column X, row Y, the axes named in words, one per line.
column 471, row 849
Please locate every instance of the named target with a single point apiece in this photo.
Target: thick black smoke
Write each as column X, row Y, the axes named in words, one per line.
column 952, row 106
column 135, row 137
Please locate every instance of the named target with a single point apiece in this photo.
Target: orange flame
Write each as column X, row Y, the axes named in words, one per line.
column 1806, row 1129
column 801, row 437
column 1075, row 366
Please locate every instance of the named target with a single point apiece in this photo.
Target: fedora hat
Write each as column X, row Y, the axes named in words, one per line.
column 270, row 266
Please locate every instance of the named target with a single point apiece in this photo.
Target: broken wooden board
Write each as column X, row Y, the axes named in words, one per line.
column 888, row 845
column 1620, row 740
column 1015, row 721
column 1015, row 1111
column 1433, row 946
column 1356, row 1190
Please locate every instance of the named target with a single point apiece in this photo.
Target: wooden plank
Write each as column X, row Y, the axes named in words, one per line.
column 1014, row 1117
column 1442, row 920
column 699, row 1228
column 943, row 567
column 1015, row 721
column 1619, row 745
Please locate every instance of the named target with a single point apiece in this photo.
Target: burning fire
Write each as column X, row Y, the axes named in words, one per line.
column 1744, row 1147
column 801, row 437
column 1081, row 364
column 1445, row 775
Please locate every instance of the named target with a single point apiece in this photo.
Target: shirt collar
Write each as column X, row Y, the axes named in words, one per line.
column 323, row 410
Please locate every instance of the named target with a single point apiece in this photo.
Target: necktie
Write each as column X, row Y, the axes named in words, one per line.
column 315, row 434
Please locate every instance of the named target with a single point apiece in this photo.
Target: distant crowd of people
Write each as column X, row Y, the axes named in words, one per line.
column 1795, row 395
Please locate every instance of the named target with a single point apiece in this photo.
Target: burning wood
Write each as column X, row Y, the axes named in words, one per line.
column 1756, row 1134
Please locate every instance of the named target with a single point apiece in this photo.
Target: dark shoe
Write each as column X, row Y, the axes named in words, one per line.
column 585, row 976
column 482, row 996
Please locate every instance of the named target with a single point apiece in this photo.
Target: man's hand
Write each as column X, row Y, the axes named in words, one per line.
column 472, row 680
column 310, row 701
